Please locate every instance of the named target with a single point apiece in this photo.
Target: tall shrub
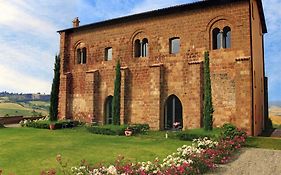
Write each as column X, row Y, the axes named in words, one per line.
column 208, row 106
column 53, row 111
column 116, row 96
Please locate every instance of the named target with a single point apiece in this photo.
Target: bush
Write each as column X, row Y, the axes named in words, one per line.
column 38, row 124
column 230, row 131
column 119, row 129
column 189, row 135
column 2, row 125
column 108, row 129
column 45, row 124
column 277, row 126
column 268, row 124
column 139, row 128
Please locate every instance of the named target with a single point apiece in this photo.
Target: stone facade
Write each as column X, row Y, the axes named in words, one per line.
column 147, row 82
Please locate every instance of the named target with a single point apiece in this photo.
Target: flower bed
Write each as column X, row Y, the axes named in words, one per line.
column 202, row 156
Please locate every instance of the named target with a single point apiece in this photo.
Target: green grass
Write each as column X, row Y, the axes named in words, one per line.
column 29, row 150
column 264, row 142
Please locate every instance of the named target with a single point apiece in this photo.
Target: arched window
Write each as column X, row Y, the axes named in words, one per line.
column 137, row 48
column 173, row 113
column 141, row 48
column 144, row 52
column 216, row 38
column 81, row 55
column 226, row 37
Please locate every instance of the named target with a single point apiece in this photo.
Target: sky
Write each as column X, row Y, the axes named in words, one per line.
column 29, row 41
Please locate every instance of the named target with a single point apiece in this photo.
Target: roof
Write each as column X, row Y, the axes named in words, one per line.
column 165, row 11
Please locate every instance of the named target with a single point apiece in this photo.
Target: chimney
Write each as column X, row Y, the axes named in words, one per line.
column 75, row 22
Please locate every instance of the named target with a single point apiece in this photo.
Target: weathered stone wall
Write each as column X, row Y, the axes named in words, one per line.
column 258, row 69
column 147, row 82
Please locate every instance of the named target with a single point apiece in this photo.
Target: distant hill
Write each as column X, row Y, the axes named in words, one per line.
column 19, row 97
column 15, row 104
column 275, row 103
column 31, row 108
column 275, row 112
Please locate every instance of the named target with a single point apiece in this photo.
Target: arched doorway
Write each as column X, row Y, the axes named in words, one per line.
column 108, row 110
column 173, row 113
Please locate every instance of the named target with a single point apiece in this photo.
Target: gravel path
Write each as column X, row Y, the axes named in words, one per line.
column 253, row 161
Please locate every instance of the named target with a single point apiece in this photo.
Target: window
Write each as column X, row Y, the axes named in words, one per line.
column 108, row 110
column 141, row 48
column 137, row 48
column 253, row 14
column 108, row 54
column 78, row 56
column 82, row 56
column 144, row 52
column 226, row 37
column 216, row 38
column 174, row 45
column 221, row 39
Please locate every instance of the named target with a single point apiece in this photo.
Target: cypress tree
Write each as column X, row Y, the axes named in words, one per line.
column 53, row 111
column 116, row 96
column 208, row 106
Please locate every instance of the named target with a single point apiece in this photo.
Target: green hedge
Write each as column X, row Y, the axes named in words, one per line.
column 38, row 124
column 58, row 125
column 229, row 130
column 119, row 129
column 2, row 125
column 191, row 134
column 108, row 129
column 139, row 128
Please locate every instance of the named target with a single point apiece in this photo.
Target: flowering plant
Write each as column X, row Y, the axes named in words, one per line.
column 176, row 124
column 204, row 154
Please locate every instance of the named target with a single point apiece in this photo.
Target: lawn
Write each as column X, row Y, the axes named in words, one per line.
column 264, row 142
column 29, row 150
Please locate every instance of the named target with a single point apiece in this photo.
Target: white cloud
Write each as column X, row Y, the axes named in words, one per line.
column 147, row 5
column 15, row 17
column 29, row 42
column 272, row 47
column 20, row 82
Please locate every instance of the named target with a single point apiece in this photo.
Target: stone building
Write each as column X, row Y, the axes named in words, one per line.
column 161, row 54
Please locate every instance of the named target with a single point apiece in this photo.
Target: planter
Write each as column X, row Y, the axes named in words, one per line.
column 128, row 132
column 52, row 126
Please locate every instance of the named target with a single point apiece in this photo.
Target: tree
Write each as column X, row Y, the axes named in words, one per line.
column 54, row 99
column 208, row 106
column 116, row 96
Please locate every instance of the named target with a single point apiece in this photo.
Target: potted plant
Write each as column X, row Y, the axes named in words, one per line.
column 128, row 131
column 52, row 126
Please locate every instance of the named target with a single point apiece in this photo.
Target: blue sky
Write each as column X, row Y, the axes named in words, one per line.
column 29, row 42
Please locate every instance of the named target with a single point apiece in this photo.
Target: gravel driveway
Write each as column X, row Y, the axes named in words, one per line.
column 253, row 161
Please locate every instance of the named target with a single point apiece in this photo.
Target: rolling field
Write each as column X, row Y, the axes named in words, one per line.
column 275, row 115
column 24, row 109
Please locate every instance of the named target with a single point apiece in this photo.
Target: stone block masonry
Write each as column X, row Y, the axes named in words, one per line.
column 161, row 55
